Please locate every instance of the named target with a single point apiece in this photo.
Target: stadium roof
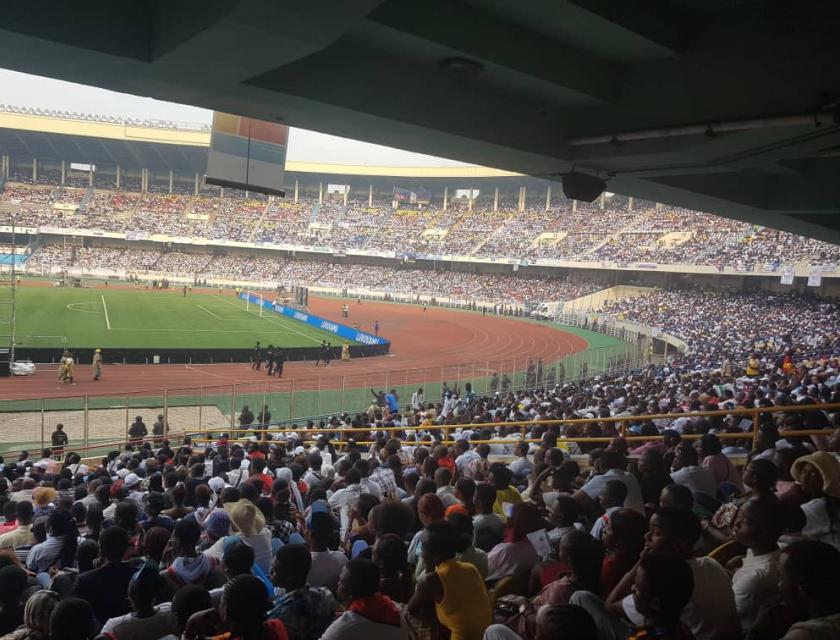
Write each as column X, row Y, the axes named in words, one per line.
column 728, row 106
column 107, row 142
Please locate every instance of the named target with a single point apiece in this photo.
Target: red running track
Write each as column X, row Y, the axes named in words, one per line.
column 432, row 338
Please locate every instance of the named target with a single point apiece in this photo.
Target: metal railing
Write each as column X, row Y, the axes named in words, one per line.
column 622, row 424
column 87, row 419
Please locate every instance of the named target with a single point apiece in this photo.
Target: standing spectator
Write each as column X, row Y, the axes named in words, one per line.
column 137, row 431
column 58, row 441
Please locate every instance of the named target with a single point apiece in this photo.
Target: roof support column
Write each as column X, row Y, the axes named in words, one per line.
column 171, row 180
column 63, row 172
column 602, row 202
column 346, row 193
column 574, row 205
column 90, row 175
column 496, row 200
column 118, row 178
column 630, row 202
column 548, row 198
column 34, row 169
column 296, row 191
column 470, row 200
column 370, row 195
column 320, row 193
column 196, row 183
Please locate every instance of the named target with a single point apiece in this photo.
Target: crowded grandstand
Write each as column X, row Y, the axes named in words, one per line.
column 692, row 494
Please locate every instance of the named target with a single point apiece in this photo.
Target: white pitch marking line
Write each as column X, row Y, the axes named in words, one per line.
column 271, row 319
column 210, row 312
column 105, row 308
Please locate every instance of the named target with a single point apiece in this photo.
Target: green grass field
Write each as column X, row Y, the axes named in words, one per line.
column 105, row 317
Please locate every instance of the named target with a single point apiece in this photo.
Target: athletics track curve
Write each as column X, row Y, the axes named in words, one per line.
column 436, row 337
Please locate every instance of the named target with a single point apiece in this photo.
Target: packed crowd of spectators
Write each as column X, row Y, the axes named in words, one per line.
column 297, row 534
column 717, row 325
column 616, row 234
column 439, row 283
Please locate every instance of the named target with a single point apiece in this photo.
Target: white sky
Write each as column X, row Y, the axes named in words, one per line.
column 24, row 90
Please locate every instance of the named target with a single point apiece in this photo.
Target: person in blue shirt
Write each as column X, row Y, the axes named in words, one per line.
column 392, row 400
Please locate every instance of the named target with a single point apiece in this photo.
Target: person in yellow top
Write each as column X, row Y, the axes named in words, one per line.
column 500, row 477
column 752, row 366
column 455, row 589
column 345, row 351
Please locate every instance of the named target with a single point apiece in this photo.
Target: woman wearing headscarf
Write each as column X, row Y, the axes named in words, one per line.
column 819, row 475
column 36, row 617
column 285, row 473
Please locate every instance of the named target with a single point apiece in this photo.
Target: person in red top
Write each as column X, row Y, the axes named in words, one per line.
column 257, row 471
column 624, row 539
column 441, row 455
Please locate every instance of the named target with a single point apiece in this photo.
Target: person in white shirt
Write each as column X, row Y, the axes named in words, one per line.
column 445, row 490
column 711, row 613
column 326, row 563
column 758, row 525
column 686, row 470
column 613, row 463
column 611, row 500
column 417, row 399
column 347, row 498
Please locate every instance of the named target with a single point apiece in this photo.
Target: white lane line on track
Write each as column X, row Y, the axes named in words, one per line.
column 105, row 308
column 210, row 312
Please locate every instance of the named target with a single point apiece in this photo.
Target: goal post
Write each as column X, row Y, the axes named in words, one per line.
column 259, row 296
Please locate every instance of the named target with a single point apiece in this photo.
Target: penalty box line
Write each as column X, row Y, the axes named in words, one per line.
column 274, row 321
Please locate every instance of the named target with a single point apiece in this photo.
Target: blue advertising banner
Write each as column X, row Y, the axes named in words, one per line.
column 341, row 330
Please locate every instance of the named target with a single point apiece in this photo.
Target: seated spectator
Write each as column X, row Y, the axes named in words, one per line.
column 489, row 527
column 12, row 584
column 819, row 476
column 21, row 535
column 305, row 611
column 516, row 555
column 758, row 526
column 327, row 561
column 613, row 464
column 711, row 613
column 653, row 476
column 188, row 566
column 73, row 619
column 36, row 616
column 687, row 471
column 624, row 540
column 145, row 621
column 611, row 500
column 662, row 588
column 368, row 613
column 455, row 589
column 711, row 451
column 391, row 556
column 466, row 551
column 500, row 477
column 105, row 587
column 808, row 587
column 242, row 613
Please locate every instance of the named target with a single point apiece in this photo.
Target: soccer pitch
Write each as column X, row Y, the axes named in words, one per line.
column 104, row 317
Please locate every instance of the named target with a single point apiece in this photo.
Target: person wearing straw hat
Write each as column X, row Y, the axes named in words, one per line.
column 248, row 523
column 819, row 476
column 97, row 364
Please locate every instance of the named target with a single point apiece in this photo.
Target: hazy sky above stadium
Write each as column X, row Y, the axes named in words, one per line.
column 24, row 90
